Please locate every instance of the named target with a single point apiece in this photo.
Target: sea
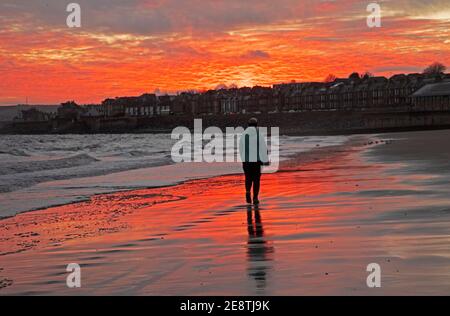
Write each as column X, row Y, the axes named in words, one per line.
column 40, row 171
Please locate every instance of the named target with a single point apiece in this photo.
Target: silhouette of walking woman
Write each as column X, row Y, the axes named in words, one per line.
column 253, row 151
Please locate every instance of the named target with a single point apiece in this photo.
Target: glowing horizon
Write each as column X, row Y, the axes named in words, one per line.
column 135, row 46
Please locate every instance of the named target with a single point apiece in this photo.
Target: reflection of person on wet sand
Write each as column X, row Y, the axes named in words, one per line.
column 258, row 250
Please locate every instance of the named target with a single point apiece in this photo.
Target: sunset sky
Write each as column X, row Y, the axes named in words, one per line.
column 128, row 47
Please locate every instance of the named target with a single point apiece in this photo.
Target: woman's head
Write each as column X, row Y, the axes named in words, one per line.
column 253, row 122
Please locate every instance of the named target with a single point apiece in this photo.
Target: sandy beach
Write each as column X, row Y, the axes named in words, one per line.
column 323, row 218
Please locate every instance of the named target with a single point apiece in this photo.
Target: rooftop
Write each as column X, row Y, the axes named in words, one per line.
column 433, row 90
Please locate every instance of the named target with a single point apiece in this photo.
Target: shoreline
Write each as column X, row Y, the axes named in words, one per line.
column 75, row 189
column 296, row 164
column 313, row 154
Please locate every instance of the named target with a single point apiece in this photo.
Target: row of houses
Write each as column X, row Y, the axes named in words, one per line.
column 353, row 93
column 144, row 105
column 361, row 93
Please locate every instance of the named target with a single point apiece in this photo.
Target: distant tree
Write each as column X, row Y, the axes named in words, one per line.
column 330, row 78
column 367, row 75
column 435, row 69
column 354, row 76
column 70, row 103
column 221, row 87
column 233, row 86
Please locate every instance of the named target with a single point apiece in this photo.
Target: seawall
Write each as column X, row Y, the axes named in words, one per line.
column 297, row 123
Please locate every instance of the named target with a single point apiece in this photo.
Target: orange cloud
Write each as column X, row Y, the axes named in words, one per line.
column 49, row 63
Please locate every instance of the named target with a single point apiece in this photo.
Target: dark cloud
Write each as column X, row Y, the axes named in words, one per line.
column 254, row 54
column 163, row 16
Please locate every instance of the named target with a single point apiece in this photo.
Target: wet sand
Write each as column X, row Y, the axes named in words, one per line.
column 322, row 220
